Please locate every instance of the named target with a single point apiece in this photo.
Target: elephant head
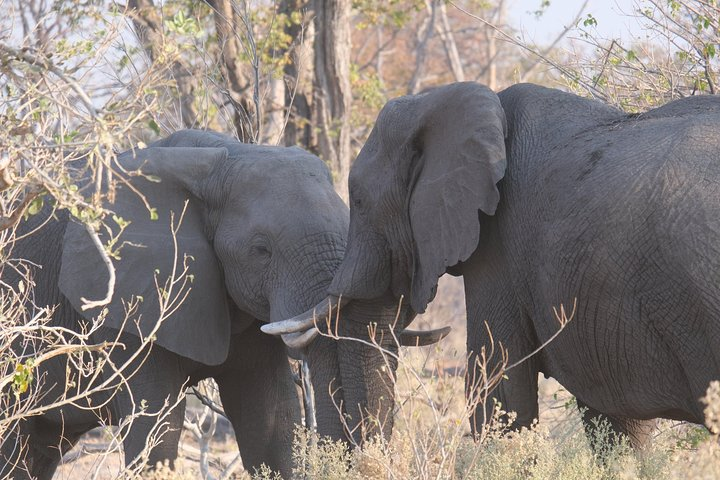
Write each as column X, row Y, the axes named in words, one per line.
column 263, row 232
column 261, row 236
column 429, row 167
column 238, row 238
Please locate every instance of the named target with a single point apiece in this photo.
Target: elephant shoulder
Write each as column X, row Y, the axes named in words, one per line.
column 531, row 108
column 694, row 106
column 196, row 138
column 529, row 96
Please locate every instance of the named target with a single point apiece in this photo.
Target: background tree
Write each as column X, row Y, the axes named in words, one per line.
column 331, row 87
column 679, row 57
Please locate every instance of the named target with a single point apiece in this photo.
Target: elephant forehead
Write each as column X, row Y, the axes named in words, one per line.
column 380, row 163
column 396, row 119
column 298, row 212
column 278, row 165
column 275, row 181
column 292, row 195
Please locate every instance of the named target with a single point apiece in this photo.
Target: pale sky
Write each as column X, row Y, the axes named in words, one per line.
column 611, row 22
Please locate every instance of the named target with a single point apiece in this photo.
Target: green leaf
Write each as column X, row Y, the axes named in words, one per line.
column 154, row 126
column 153, row 214
column 23, row 377
column 709, row 50
column 121, row 222
column 35, row 206
column 590, row 21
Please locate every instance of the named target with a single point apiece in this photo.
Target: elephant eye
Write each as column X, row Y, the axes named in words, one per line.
column 355, row 194
column 356, row 199
column 262, row 250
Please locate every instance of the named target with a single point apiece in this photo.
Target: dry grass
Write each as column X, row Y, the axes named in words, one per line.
column 431, row 437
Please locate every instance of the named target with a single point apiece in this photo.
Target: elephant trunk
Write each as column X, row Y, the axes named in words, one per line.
column 368, row 378
column 353, row 380
column 367, row 353
column 353, row 364
column 365, row 271
column 322, row 358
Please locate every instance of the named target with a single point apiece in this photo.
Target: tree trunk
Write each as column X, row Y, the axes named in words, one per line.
column 492, row 65
column 298, row 73
column 492, row 51
column 240, row 84
column 272, row 132
column 448, row 40
column 149, row 29
column 424, row 35
column 331, row 88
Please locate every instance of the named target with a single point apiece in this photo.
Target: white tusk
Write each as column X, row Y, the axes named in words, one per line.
column 300, row 340
column 421, row 338
column 304, row 321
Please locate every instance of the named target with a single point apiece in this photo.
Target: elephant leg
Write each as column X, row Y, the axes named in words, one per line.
column 496, row 324
column 514, row 391
column 35, row 451
column 33, row 447
column 153, row 388
column 260, row 399
column 638, row 432
column 161, row 435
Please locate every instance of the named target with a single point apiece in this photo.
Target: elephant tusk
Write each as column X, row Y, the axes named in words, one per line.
column 418, row 338
column 300, row 340
column 301, row 323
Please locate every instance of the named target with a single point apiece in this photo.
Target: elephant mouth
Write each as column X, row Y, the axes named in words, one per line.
column 299, row 331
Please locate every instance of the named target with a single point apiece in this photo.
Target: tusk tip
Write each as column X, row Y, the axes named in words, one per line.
column 300, row 340
column 268, row 328
column 415, row 338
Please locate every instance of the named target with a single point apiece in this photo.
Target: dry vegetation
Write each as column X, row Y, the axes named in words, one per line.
column 431, row 437
column 89, row 78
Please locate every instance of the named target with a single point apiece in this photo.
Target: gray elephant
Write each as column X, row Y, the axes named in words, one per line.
column 539, row 197
column 262, row 236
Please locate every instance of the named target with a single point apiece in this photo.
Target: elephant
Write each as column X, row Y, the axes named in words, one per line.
column 541, row 198
column 261, row 236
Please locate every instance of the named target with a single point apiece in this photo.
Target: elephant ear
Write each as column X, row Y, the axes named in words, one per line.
column 460, row 157
column 199, row 328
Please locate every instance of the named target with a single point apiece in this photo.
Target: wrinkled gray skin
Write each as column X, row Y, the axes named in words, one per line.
column 539, row 197
column 266, row 232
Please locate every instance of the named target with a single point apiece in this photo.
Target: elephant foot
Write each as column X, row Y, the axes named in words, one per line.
column 36, row 451
column 637, row 432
